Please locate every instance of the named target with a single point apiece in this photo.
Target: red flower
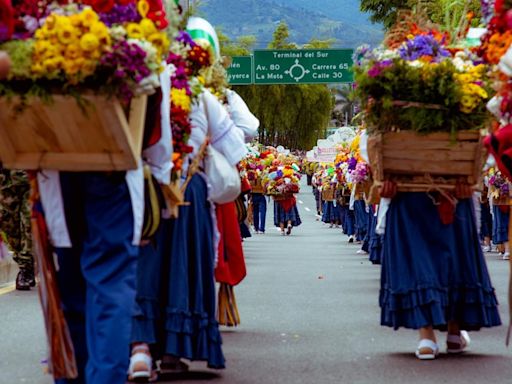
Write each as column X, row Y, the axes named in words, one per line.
column 102, row 6
column 6, row 19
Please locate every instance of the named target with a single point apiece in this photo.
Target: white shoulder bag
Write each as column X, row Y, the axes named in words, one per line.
column 223, row 178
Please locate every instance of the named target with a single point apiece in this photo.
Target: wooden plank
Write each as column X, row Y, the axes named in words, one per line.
column 436, row 136
column 70, row 162
column 421, row 167
column 61, row 136
column 429, row 155
column 136, row 122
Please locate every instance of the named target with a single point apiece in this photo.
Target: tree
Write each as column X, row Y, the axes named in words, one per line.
column 447, row 13
column 384, row 11
column 344, row 104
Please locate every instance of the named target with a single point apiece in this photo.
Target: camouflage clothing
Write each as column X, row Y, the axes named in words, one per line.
column 15, row 216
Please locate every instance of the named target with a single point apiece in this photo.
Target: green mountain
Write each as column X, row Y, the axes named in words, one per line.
column 307, row 19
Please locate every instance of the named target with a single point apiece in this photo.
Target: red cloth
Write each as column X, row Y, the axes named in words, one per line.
column 6, row 19
column 231, row 265
column 153, row 123
column 287, row 204
column 446, row 210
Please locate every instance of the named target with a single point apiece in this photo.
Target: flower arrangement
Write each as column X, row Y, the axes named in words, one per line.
column 281, row 179
column 420, row 86
column 111, row 47
column 499, row 186
column 187, row 59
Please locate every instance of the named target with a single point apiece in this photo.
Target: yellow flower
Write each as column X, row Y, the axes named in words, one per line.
column 143, row 8
column 40, row 47
column 89, row 42
column 101, row 31
column 134, row 31
column 37, row 69
column 92, row 55
column 73, row 51
column 50, row 22
column 52, row 66
column 180, row 98
column 88, row 17
column 66, row 34
column 51, row 51
column 88, row 67
column 71, row 67
column 160, row 41
column 148, row 27
column 76, row 20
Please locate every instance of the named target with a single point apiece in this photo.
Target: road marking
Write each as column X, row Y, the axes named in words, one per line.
column 7, row 289
column 307, row 209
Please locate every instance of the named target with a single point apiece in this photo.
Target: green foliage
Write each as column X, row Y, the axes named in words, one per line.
column 20, row 52
column 242, row 46
column 384, row 11
column 450, row 14
column 420, row 98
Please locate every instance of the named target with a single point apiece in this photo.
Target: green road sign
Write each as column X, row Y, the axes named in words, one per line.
column 315, row 66
column 240, row 71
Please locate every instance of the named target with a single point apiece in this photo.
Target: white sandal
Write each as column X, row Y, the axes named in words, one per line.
column 427, row 344
column 462, row 341
column 140, row 358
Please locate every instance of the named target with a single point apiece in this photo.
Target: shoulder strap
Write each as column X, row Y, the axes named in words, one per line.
column 193, row 168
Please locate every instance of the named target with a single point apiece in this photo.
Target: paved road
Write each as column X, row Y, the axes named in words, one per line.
column 309, row 315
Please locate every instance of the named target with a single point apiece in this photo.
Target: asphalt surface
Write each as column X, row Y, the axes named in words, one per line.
column 310, row 314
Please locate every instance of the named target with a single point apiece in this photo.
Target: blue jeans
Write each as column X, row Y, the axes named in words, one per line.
column 97, row 275
column 259, row 209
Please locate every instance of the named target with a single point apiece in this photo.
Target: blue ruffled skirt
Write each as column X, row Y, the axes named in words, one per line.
column 331, row 214
column 349, row 226
column 362, row 219
column 376, row 241
column 500, row 225
column 191, row 328
column 434, row 273
column 280, row 216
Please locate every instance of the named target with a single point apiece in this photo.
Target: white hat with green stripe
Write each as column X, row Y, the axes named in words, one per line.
column 202, row 32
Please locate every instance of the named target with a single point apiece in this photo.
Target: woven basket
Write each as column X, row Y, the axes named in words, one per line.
column 64, row 137
column 419, row 163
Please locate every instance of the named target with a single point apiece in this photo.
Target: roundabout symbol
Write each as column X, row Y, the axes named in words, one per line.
column 297, row 68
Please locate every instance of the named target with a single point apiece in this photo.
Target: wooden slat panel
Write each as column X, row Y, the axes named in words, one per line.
column 423, row 166
column 444, row 156
column 59, row 136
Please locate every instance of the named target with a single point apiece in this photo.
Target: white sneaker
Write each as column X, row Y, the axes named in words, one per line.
column 506, row 256
column 487, row 248
column 362, row 252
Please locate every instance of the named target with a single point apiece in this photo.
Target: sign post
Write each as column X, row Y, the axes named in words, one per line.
column 240, row 71
column 315, row 66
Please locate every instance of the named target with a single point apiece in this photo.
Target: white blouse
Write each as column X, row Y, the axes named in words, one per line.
column 209, row 118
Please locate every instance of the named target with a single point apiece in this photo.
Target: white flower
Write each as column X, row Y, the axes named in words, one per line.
column 118, row 32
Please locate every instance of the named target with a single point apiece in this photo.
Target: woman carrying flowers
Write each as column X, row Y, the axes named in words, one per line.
column 434, row 275
column 183, row 270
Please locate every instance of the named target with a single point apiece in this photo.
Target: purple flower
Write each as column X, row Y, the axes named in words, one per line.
column 352, row 163
column 121, row 14
column 423, row 46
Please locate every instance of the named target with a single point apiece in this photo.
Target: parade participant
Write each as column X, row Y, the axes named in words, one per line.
column 259, row 208
column 331, row 213
column 185, row 286
column 15, row 224
column 442, row 284
column 286, row 214
column 500, row 228
column 486, row 222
